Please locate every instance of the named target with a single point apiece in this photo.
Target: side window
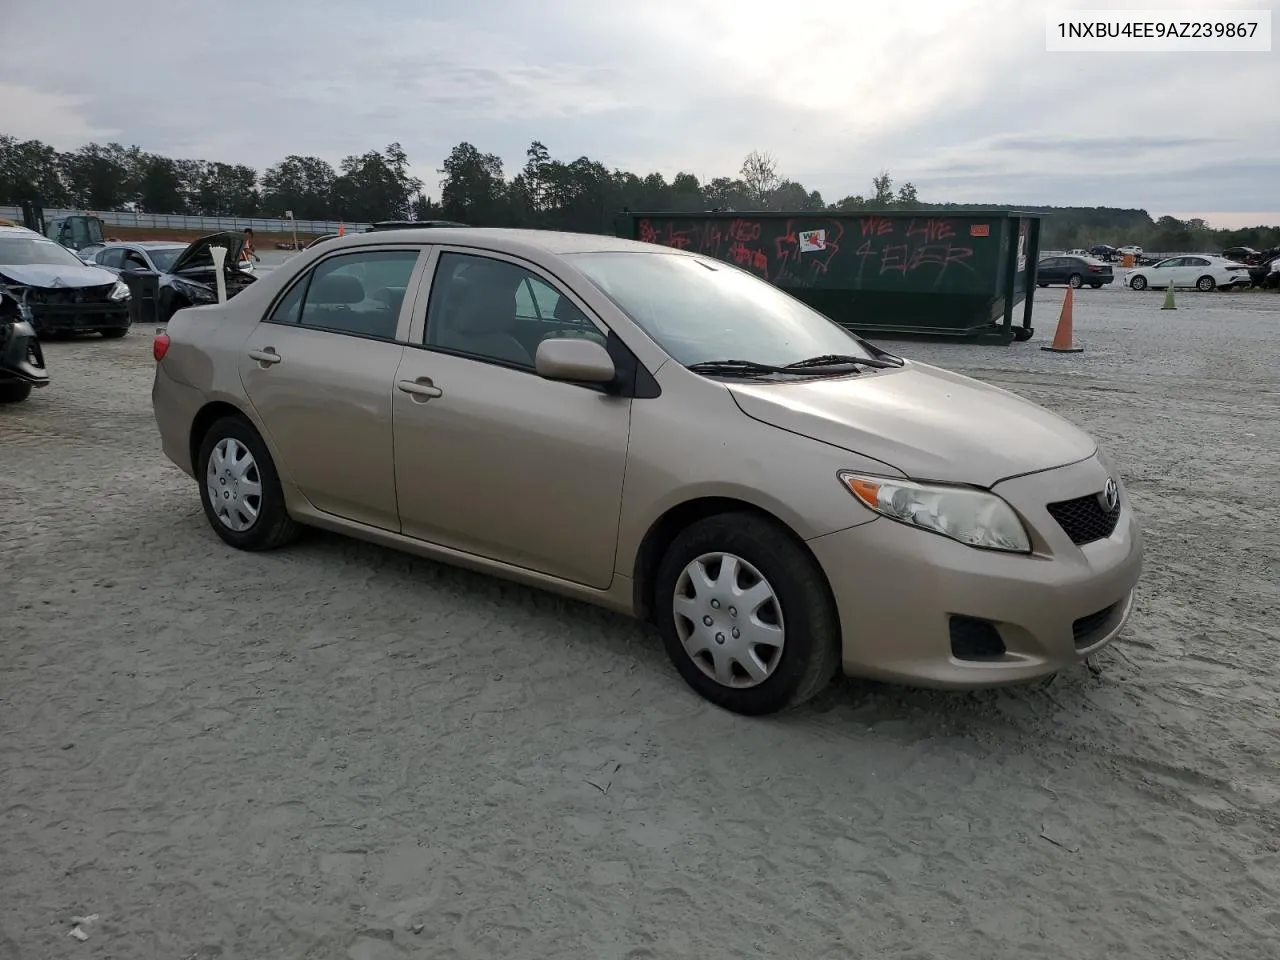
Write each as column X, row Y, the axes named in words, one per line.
column 1175, row 262
column 289, row 306
column 1195, row 262
column 134, row 261
column 111, row 257
column 358, row 293
column 496, row 311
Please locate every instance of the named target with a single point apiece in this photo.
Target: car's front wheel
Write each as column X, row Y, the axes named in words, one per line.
column 240, row 489
column 1138, row 283
column 1075, row 281
column 746, row 614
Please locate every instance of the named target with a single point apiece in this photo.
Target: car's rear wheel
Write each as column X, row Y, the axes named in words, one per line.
column 746, row 614
column 1205, row 284
column 15, row 391
column 1075, row 281
column 1096, row 285
column 1138, row 283
column 240, row 489
column 114, row 333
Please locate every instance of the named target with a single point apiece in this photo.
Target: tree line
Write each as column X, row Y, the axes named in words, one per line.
column 581, row 195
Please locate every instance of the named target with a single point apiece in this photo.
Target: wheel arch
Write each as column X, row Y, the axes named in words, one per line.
column 206, row 417
column 664, row 530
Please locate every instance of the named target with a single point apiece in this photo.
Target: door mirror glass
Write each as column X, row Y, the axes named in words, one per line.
column 575, row 359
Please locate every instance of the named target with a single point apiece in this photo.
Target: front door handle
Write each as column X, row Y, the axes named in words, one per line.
column 266, row 357
column 421, row 388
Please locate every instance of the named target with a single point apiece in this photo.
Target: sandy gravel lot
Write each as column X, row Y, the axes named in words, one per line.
column 336, row 751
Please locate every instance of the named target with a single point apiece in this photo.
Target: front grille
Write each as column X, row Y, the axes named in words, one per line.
column 1086, row 629
column 1085, row 519
column 70, row 296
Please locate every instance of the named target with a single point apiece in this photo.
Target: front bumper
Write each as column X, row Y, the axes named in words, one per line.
column 20, row 355
column 898, row 588
column 80, row 317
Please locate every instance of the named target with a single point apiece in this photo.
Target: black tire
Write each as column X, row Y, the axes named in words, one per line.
column 113, row 333
column 810, row 655
column 14, row 391
column 1096, row 286
column 273, row 526
column 1138, row 283
column 1205, row 284
column 1075, row 281
column 1041, row 284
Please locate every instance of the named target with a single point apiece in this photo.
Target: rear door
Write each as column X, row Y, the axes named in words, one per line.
column 319, row 372
column 1197, row 267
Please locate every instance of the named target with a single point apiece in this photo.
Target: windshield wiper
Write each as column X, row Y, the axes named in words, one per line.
column 745, row 367
column 840, row 360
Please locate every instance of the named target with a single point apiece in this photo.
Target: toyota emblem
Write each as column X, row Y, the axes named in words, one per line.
column 1111, row 495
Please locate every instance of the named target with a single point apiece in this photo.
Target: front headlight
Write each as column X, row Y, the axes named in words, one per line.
column 120, row 290
column 975, row 517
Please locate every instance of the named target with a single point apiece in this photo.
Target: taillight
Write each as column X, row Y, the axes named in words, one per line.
column 160, row 345
column 1094, row 269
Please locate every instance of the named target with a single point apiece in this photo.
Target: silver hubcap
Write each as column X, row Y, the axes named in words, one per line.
column 234, row 485
column 729, row 620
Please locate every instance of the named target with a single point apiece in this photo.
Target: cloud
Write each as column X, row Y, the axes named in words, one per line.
column 960, row 97
column 31, row 113
column 1097, row 146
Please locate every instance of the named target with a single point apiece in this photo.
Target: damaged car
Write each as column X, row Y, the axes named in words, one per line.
column 55, row 291
column 21, row 359
column 180, row 276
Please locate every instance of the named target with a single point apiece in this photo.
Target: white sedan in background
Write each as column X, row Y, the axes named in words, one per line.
column 1202, row 271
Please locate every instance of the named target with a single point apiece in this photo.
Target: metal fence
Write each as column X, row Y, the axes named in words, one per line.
column 175, row 221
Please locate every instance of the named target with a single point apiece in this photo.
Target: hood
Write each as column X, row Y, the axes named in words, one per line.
column 53, row 276
column 197, row 253
column 929, row 423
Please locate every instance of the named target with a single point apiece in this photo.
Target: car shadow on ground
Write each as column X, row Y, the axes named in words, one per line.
column 1017, row 711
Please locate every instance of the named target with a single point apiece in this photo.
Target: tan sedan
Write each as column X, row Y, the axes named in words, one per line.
column 662, row 434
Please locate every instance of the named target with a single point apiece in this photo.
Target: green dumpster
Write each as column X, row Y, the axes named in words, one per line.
column 933, row 273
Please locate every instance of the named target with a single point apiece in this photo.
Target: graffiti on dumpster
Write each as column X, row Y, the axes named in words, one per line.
column 905, row 246
column 800, row 251
column 797, row 251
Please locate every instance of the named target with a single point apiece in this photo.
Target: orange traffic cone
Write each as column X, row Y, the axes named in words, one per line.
column 342, row 229
column 1062, row 336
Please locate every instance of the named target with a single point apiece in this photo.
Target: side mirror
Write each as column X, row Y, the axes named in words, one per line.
column 573, row 358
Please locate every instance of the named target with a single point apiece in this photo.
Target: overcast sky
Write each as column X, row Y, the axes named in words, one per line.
column 959, row 97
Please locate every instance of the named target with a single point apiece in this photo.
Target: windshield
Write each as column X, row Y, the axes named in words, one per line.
column 29, row 251
column 163, row 257
column 698, row 309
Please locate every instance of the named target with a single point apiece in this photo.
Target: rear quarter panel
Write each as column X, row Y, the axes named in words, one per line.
column 201, row 366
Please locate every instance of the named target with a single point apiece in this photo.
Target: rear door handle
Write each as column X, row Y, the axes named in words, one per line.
column 267, row 356
column 420, row 388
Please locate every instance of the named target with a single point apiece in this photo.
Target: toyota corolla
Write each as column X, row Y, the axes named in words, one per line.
column 662, row 434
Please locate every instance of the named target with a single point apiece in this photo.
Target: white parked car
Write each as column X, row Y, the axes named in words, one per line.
column 1202, row 271
column 1131, row 248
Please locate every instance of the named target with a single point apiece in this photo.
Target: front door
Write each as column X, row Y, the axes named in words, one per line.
column 319, row 372
column 492, row 459
column 1170, row 272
